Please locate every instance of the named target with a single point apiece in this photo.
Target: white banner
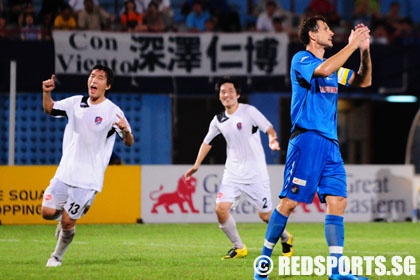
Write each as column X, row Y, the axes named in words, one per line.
column 172, row 54
column 374, row 192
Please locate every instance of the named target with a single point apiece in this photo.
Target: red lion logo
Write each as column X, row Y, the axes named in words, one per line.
column 182, row 194
column 316, row 202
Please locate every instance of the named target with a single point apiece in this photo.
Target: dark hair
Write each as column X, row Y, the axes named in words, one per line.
column 109, row 74
column 277, row 19
column 153, row 3
column 224, row 80
column 306, row 25
column 127, row 1
column 271, row 3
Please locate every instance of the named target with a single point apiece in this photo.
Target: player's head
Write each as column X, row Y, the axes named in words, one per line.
column 307, row 25
column 224, row 80
column 227, row 90
column 109, row 74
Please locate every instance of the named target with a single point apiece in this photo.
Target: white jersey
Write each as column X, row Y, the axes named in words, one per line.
column 88, row 140
column 245, row 158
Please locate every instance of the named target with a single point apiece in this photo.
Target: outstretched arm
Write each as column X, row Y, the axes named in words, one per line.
column 272, row 139
column 47, row 101
column 202, row 153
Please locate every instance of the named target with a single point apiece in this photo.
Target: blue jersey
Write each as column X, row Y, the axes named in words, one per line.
column 314, row 99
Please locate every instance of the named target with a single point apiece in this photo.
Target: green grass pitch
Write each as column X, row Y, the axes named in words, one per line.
column 184, row 251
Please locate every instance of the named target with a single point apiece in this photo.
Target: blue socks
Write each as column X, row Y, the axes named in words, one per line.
column 334, row 233
column 275, row 227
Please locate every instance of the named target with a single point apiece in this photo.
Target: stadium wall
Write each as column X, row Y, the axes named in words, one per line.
column 159, row 194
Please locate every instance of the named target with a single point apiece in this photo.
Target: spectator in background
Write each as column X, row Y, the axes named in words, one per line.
column 380, row 33
column 94, row 17
column 196, row 19
column 210, row 25
column 46, row 16
column 79, row 5
column 258, row 7
column 30, row 30
column 164, row 7
column 16, row 8
column 4, row 33
column 65, row 20
column 261, row 8
column 251, row 26
column 393, row 16
column 405, row 34
column 130, row 19
column 227, row 18
column 154, row 19
column 278, row 24
column 366, row 11
column 326, row 9
column 265, row 18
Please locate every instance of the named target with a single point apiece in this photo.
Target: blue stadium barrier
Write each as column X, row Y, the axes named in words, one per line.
column 38, row 137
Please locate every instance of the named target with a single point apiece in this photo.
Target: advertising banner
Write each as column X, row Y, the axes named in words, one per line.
column 172, row 54
column 375, row 192
column 22, row 188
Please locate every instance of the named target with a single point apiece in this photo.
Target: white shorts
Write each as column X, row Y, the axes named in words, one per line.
column 75, row 201
column 258, row 194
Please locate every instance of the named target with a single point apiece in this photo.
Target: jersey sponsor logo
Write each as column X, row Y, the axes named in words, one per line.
column 182, row 194
column 47, row 197
column 298, row 181
column 328, row 89
column 219, row 195
column 239, row 125
column 98, row 120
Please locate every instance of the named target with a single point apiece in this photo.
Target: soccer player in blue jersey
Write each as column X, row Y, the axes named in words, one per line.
column 314, row 165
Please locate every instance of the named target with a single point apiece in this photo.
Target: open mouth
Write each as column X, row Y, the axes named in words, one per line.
column 93, row 89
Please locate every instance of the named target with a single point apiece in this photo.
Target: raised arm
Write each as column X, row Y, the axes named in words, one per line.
column 363, row 77
column 47, row 87
column 357, row 39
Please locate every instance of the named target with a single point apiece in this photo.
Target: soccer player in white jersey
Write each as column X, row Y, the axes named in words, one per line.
column 93, row 121
column 245, row 168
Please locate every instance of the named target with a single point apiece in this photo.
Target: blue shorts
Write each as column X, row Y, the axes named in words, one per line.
column 313, row 165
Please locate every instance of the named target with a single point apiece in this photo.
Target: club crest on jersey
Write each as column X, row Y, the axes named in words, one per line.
column 295, row 189
column 98, row 120
column 239, row 125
